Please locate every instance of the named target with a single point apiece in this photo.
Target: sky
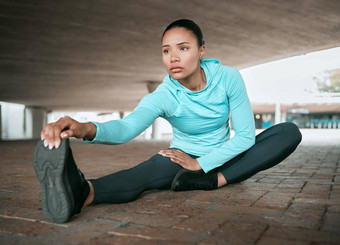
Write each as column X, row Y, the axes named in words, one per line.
column 288, row 80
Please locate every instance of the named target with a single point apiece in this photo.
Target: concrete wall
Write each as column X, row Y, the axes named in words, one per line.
column 35, row 119
column 19, row 122
column 12, row 117
column 0, row 124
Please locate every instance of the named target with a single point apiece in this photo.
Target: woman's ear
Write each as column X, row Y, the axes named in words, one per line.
column 202, row 51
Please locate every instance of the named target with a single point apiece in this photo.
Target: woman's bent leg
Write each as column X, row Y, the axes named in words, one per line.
column 127, row 185
column 271, row 147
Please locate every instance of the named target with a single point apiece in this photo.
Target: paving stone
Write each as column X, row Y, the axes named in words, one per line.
column 215, row 197
column 153, row 220
column 303, row 173
column 320, row 189
column 161, row 234
column 128, row 240
column 317, row 176
column 245, row 197
column 86, row 214
column 335, row 193
column 316, row 201
column 291, row 183
column 15, row 239
column 273, row 200
column 233, row 231
column 265, row 240
column 142, row 205
column 333, row 208
column 77, row 234
column 263, row 213
column 185, row 209
column 27, row 227
column 331, row 223
column 204, row 222
column 252, row 179
column 337, row 179
column 310, row 235
column 312, row 223
column 259, row 186
column 270, row 180
column 305, row 211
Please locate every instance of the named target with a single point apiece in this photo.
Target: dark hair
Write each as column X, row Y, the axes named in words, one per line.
column 189, row 25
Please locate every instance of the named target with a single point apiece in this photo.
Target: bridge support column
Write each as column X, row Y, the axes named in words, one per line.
column 156, row 126
column 277, row 113
column 157, row 130
column 0, row 125
column 35, row 120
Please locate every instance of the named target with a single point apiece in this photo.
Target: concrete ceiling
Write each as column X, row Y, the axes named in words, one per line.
column 99, row 54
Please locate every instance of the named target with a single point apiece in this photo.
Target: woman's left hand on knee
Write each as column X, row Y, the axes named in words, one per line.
column 181, row 158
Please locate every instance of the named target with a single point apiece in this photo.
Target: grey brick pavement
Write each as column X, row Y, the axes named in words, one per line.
column 296, row 202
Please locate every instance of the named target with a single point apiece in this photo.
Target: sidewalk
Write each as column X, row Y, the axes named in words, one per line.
column 296, row 202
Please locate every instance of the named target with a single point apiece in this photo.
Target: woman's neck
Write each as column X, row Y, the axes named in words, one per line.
column 196, row 82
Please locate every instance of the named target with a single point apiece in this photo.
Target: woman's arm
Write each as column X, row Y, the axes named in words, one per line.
column 123, row 130
column 120, row 131
column 243, row 123
column 111, row 132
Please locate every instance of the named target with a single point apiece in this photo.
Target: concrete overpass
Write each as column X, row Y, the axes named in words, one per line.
column 99, row 55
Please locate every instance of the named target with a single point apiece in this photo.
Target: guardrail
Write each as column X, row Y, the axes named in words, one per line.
column 325, row 123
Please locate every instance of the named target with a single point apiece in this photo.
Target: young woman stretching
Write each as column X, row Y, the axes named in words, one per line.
column 196, row 98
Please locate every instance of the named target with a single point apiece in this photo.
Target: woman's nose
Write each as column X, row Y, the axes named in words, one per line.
column 174, row 58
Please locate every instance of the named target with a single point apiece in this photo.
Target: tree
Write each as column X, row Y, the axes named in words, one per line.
column 330, row 82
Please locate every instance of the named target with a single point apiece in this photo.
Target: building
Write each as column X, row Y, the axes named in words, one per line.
column 312, row 115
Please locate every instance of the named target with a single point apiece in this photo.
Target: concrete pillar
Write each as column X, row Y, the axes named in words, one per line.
column 148, row 133
column 284, row 116
column 0, row 125
column 156, row 126
column 12, row 121
column 35, row 120
column 277, row 112
column 157, row 130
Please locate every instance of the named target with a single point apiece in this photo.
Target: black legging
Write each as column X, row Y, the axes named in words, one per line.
column 272, row 146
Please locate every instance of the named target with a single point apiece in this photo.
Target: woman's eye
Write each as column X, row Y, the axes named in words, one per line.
column 166, row 51
column 184, row 48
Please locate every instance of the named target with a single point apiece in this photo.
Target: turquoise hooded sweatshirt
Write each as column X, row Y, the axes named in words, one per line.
column 200, row 120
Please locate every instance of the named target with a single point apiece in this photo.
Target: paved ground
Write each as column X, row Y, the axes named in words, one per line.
column 296, row 202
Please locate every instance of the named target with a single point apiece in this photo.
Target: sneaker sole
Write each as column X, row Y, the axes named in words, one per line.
column 50, row 168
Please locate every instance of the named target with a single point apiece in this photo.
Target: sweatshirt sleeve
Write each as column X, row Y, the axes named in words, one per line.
column 243, row 123
column 123, row 130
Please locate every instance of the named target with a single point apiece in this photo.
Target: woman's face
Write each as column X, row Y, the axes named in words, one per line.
column 181, row 54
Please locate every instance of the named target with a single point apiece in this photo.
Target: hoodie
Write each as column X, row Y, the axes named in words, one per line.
column 200, row 120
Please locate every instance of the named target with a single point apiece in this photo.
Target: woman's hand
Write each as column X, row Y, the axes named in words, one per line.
column 64, row 128
column 181, row 158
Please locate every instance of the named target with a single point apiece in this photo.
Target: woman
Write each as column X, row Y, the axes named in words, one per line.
column 196, row 97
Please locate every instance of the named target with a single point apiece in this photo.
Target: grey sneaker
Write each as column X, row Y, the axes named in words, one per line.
column 186, row 180
column 63, row 187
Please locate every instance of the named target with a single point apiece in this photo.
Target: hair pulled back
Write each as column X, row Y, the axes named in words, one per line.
column 189, row 25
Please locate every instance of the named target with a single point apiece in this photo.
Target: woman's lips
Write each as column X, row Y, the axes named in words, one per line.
column 176, row 69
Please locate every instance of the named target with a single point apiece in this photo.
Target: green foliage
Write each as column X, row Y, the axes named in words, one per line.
column 330, row 82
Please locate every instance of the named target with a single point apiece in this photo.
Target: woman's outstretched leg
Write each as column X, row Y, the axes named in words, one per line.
column 64, row 189
column 126, row 185
column 271, row 147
